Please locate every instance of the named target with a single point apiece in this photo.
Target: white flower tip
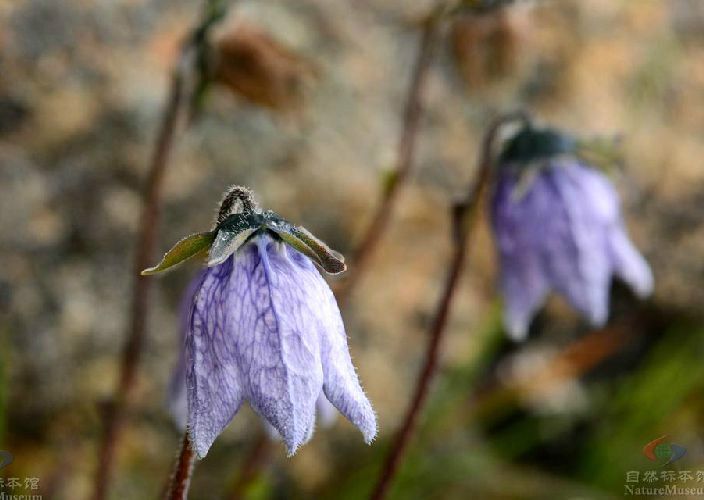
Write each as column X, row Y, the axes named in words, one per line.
column 598, row 315
column 291, row 449
column 644, row 285
column 198, row 443
column 370, row 435
column 518, row 334
column 365, row 421
column 292, row 442
column 517, row 328
column 367, row 424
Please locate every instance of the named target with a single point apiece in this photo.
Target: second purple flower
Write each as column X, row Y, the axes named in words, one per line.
column 558, row 227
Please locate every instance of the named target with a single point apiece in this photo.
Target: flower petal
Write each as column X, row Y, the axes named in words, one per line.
column 276, row 339
column 341, row 384
column 629, row 264
column 523, row 284
column 177, row 400
column 213, row 378
column 575, row 239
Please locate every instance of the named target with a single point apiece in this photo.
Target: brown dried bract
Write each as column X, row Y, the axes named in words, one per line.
column 486, row 46
column 259, row 69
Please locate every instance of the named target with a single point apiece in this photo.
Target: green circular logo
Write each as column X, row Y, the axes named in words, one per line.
column 663, row 451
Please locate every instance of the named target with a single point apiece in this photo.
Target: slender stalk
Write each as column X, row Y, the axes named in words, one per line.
column 413, row 112
column 188, row 79
column 183, row 470
column 465, row 215
column 412, row 115
column 172, row 120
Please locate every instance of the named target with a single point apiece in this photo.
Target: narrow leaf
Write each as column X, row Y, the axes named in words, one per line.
column 187, row 248
column 303, row 240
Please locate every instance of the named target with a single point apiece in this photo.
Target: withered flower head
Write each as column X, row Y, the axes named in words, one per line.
column 259, row 69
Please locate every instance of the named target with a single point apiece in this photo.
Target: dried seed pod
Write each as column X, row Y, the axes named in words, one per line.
column 486, row 45
column 259, row 69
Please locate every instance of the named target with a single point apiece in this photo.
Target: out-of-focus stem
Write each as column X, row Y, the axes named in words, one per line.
column 181, row 477
column 172, row 119
column 412, row 115
column 465, row 215
column 187, row 77
column 256, row 459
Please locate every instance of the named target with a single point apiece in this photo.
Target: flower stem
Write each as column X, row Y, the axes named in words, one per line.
column 187, row 78
column 465, row 215
column 183, row 470
column 413, row 112
column 172, row 119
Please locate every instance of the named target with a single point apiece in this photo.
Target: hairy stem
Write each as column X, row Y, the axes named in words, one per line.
column 183, row 470
column 172, row 119
column 465, row 216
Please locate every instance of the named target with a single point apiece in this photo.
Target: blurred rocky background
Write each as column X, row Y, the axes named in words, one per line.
column 565, row 415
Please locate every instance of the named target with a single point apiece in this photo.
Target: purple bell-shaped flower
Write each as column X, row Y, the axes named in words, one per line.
column 264, row 327
column 558, row 227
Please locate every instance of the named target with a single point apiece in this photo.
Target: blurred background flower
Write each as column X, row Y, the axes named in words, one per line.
column 557, row 226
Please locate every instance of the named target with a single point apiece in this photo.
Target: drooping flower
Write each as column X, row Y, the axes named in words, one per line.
column 325, row 414
column 177, row 400
column 265, row 327
column 557, row 226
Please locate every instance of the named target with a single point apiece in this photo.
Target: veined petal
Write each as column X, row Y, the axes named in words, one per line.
column 523, row 284
column 177, row 401
column 325, row 413
column 276, row 339
column 214, row 386
column 576, row 241
column 628, row 263
column 341, row 384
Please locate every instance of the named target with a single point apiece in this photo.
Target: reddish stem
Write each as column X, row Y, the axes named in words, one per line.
column 181, row 478
column 464, row 218
column 412, row 115
column 146, row 242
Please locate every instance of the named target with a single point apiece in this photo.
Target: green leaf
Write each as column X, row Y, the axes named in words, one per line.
column 187, row 248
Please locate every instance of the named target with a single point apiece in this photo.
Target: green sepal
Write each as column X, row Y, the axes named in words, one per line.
column 330, row 260
column 226, row 243
column 232, row 233
column 531, row 144
column 305, row 242
column 605, row 153
column 189, row 247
